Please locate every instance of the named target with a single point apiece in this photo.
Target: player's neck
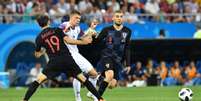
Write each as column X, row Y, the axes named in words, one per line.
column 117, row 27
column 71, row 24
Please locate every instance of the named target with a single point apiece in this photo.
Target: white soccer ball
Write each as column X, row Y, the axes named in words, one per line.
column 185, row 94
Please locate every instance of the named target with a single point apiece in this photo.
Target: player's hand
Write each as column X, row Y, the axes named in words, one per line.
column 87, row 39
column 127, row 69
column 38, row 54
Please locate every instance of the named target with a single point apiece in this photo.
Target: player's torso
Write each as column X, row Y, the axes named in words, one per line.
column 73, row 33
column 53, row 43
column 115, row 41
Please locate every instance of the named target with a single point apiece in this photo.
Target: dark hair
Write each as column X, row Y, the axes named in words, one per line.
column 118, row 11
column 75, row 12
column 43, row 20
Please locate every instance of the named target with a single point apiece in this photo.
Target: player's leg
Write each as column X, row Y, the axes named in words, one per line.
column 109, row 74
column 33, row 86
column 112, row 84
column 93, row 76
column 86, row 67
column 89, row 86
column 76, row 88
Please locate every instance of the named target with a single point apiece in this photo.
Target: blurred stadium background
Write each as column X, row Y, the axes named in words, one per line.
column 165, row 44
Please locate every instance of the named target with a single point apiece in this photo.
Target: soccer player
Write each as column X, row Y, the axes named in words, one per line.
column 60, row 59
column 116, row 51
column 73, row 31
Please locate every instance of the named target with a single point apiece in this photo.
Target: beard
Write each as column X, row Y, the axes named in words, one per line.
column 118, row 24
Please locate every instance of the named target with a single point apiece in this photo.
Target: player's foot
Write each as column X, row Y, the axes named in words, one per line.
column 78, row 99
column 91, row 96
column 101, row 100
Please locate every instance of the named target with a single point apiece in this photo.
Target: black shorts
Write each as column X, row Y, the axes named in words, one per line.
column 62, row 65
column 110, row 64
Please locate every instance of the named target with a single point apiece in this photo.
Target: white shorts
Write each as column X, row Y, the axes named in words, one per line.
column 82, row 62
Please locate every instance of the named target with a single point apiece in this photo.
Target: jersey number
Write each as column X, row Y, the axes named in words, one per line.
column 53, row 42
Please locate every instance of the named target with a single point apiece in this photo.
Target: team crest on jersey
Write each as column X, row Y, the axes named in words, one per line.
column 124, row 34
column 107, row 65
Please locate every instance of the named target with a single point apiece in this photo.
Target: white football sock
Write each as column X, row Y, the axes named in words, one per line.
column 76, row 88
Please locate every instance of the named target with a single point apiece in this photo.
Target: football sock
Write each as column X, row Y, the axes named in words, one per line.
column 102, row 87
column 93, row 81
column 92, row 89
column 76, row 88
column 32, row 88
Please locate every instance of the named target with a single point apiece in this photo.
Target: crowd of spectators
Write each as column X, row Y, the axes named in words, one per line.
column 164, row 73
column 135, row 10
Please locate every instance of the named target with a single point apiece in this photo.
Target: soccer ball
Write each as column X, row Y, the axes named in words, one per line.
column 185, row 94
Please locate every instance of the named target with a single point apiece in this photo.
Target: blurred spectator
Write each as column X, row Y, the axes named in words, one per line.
column 197, row 34
column 31, row 13
column 114, row 4
column 16, row 6
column 175, row 11
column 163, row 72
column 138, row 77
column 102, row 4
column 188, row 10
column 73, row 5
column 7, row 19
column 198, row 77
column 152, row 7
column 56, row 13
column 107, row 16
column 151, row 73
column 164, row 6
column 131, row 16
column 1, row 13
column 191, row 74
column 96, row 13
column 162, row 34
column 198, row 16
column 174, row 75
column 35, row 71
column 84, row 5
column 62, row 4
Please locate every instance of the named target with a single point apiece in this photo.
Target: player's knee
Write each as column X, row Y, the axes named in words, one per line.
column 109, row 75
column 41, row 78
column 112, row 84
column 93, row 73
column 81, row 77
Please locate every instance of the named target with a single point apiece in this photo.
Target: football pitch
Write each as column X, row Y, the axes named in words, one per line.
column 117, row 94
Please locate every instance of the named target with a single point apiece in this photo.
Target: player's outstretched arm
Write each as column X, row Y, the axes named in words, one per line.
column 83, row 41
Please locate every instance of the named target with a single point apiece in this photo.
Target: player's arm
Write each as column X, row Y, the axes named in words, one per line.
column 127, row 52
column 38, row 51
column 82, row 41
column 101, row 36
column 68, row 40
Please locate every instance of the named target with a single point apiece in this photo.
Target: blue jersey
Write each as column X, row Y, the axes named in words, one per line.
column 116, row 43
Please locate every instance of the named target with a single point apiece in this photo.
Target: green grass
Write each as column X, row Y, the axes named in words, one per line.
column 117, row 94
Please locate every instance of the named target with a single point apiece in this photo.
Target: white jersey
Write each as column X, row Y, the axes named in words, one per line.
column 81, row 61
column 72, row 33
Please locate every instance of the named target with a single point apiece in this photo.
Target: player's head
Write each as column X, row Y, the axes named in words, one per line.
column 118, row 17
column 75, row 17
column 43, row 20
